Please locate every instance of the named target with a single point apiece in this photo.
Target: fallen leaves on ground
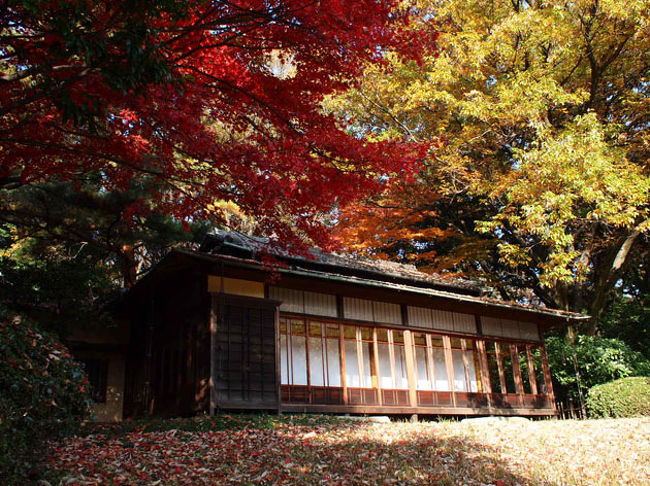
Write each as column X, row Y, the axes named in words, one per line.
column 315, row 450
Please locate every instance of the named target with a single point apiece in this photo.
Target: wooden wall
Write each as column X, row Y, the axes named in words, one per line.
column 243, row 351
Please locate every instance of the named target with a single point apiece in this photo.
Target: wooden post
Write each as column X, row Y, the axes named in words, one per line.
column 449, row 362
column 485, row 370
column 502, row 375
column 308, row 364
column 468, row 382
column 278, row 359
column 430, row 362
column 516, row 373
column 375, row 348
column 547, row 374
column 531, row 370
column 410, row 368
column 213, row 343
column 359, row 357
column 344, row 380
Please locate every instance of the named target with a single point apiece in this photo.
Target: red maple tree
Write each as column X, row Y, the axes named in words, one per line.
column 212, row 100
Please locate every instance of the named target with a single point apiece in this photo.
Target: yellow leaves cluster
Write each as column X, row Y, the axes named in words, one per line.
column 540, row 111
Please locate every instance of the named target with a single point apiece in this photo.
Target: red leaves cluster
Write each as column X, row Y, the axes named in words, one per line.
column 334, row 452
column 196, row 105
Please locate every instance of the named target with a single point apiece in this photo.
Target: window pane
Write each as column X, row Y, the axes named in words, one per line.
column 493, row 369
column 284, row 361
column 382, row 335
column 299, row 360
column 315, row 329
column 297, row 327
column 366, row 334
column 423, row 382
column 442, row 382
column 473, row 367
column 385, row 376
column 351, row 365
column 333, row 363
column 332, row 330
column 316, row 362
column 419, row 339
column 349, row 332
column 539, row 370
column 398, row 337
column 507, row 369
column 400, row 372
column 436, row 342
column 459, row 371
column 366, row 355
column 523, row 365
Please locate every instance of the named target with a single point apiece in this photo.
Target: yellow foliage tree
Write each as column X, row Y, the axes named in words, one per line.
column 538, row 181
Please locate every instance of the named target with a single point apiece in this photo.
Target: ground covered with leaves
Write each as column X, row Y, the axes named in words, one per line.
column 311, row 450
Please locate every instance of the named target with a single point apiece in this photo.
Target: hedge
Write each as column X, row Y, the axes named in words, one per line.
column 627, row 397
column 43, row 395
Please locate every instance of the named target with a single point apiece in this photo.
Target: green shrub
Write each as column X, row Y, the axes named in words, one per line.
column 627, row 397
column 599, row 360
column 43, row 394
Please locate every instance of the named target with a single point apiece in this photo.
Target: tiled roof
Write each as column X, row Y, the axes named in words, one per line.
column 229, row 242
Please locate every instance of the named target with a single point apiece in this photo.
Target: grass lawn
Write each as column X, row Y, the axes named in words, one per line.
column 320, row 450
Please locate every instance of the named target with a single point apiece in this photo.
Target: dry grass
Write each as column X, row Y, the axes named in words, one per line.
column 313, row 450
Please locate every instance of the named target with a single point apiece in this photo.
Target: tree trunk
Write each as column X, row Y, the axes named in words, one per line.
column 608, row 279
column 128, row 265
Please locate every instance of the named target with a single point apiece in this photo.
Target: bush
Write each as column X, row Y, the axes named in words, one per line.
column 627, row 397
column 599, row 359
column 43, row 395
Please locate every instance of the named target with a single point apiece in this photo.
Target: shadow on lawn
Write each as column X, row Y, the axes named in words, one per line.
column 424, row 459
column 296, row 450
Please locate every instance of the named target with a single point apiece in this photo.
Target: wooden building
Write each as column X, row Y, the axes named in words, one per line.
column 210, row 331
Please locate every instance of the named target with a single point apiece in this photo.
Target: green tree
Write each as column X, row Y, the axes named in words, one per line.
column 66, row 249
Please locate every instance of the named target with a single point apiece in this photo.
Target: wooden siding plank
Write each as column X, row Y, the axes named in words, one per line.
column 318, row 304
column 465, row 323
column 386, row 313
column 357, row 309
column 291, row 300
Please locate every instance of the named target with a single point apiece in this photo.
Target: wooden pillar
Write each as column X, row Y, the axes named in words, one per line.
column 278, row 360
column 502, row 375
column 430, row 362
column 485, row 370
column 531, row 370
column 410, row 368
column 362, row 374
column 375, row 348
column 547, row 375
column 516, row 373
column 468, row 381
column 344, row 380
column 308, row 364
column 213, row 343
column 449, row 362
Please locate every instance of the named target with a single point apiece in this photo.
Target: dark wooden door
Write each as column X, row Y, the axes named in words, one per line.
column 244, row 359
